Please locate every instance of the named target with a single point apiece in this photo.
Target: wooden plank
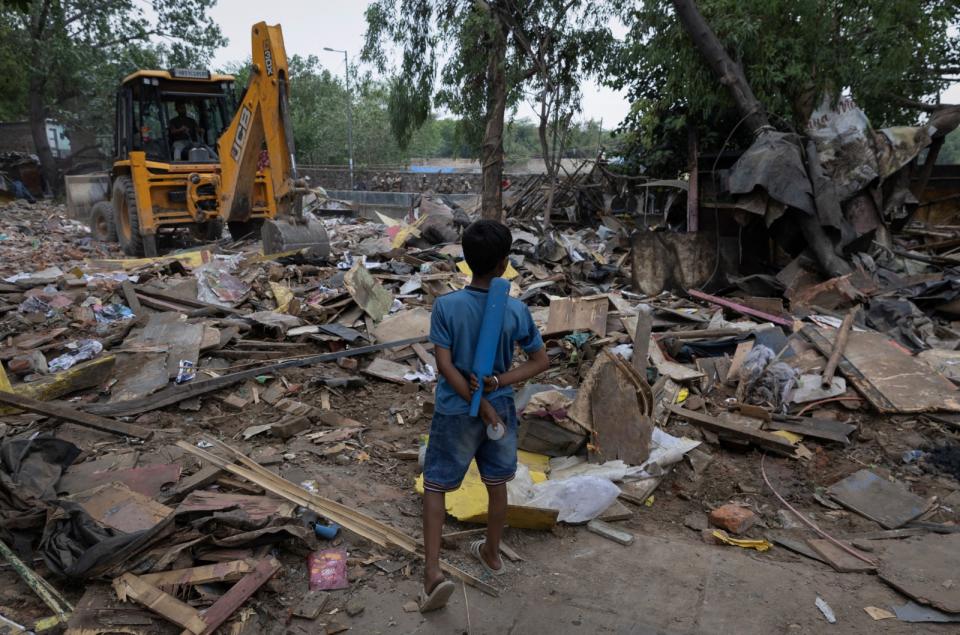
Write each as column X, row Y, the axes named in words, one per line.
column 66, row 413
column 188, row 302
column 892, row 380
column 621, row 430
column 838, row 558
column 641, row 339
column 181, row 338
column 130, row 295
column 239, row 593
column 424, row 356
column 80, row 377
column 220, row 572
column 763, row 439
column 739, row 356
column 578, row 314
column 129, row 586
column 387, row 370
column 202, row 478
column 826, row 429
column 116, row 505
column 610, row 532
column 676, row 372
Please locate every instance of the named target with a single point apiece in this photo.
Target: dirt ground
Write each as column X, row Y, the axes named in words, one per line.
column 571, row 581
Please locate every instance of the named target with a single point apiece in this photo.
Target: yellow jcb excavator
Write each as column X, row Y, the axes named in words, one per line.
column 187, row 155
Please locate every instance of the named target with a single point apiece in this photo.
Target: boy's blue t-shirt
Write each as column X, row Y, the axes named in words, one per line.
column 455, row 325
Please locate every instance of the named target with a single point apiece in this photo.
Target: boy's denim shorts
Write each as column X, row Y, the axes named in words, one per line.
column 455, row 440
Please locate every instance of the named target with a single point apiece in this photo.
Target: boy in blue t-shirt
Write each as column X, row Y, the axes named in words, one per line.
column 456, row 438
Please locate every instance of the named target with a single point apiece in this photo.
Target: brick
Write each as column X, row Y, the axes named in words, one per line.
column 347, row 363
column 733, row 518
column 290, row 426
column 234, row 402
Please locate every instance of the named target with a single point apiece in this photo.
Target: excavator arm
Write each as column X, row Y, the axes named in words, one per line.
column 262, row 122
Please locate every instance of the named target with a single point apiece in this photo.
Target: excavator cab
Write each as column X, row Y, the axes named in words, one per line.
column 172, row 119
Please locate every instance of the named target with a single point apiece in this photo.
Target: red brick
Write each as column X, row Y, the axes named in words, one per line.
column 733, row 518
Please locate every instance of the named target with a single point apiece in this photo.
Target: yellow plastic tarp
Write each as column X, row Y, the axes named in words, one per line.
column 509, row 274
column 469, row 502
column 283, row 295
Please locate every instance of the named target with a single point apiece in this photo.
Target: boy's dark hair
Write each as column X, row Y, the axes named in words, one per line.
column 485, row 244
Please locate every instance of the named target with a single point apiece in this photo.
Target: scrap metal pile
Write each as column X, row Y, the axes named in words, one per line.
column 175, row 430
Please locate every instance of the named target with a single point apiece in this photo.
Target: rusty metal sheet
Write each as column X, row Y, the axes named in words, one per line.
column 149, row 480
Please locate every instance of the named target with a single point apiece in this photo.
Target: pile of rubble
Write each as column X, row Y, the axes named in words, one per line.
column 182, row 438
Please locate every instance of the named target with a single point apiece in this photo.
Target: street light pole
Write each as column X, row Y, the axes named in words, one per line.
column 346, row 73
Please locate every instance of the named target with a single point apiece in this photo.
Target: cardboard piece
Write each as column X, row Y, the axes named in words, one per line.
column 578, row 314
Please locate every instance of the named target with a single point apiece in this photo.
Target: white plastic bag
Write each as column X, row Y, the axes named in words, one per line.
column 578, row 499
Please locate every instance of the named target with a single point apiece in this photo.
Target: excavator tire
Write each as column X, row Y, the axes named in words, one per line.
column 245, row 229
column 281, row 236
column 102, row 223
column 127, row 217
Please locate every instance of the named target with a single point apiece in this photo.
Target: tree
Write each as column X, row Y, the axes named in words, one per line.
column 793, row 52
column 74, row 48
column 492, row 50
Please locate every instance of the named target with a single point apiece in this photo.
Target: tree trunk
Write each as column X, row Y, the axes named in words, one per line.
column 38, row 130
column 491, row 153
column 729, row 72
column 927, row 169
column 548, row 162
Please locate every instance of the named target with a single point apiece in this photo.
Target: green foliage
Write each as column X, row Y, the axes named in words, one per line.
column 71, row 54
column 793, row 52
column 950, row 152
column 445, row 52
column 318, row 108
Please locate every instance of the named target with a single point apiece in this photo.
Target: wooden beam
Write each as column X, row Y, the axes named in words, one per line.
column 164, row 604
column 66, row 413
column 239, row 593
column 220, row 572
column 763, row 439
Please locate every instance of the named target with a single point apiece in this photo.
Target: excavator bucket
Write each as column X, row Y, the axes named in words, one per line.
column 83, row 192
column 279, row 236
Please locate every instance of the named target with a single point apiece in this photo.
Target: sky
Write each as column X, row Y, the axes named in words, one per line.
column 308, row 27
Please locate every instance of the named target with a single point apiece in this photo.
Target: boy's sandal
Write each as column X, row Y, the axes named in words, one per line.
column 475, row 547
column 436, row 599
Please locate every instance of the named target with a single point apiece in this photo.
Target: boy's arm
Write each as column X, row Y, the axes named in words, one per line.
column 536, row 363
column 459, row 383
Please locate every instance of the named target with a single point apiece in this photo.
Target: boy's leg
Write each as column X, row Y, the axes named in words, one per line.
column 496, row 518
column 434, row 510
